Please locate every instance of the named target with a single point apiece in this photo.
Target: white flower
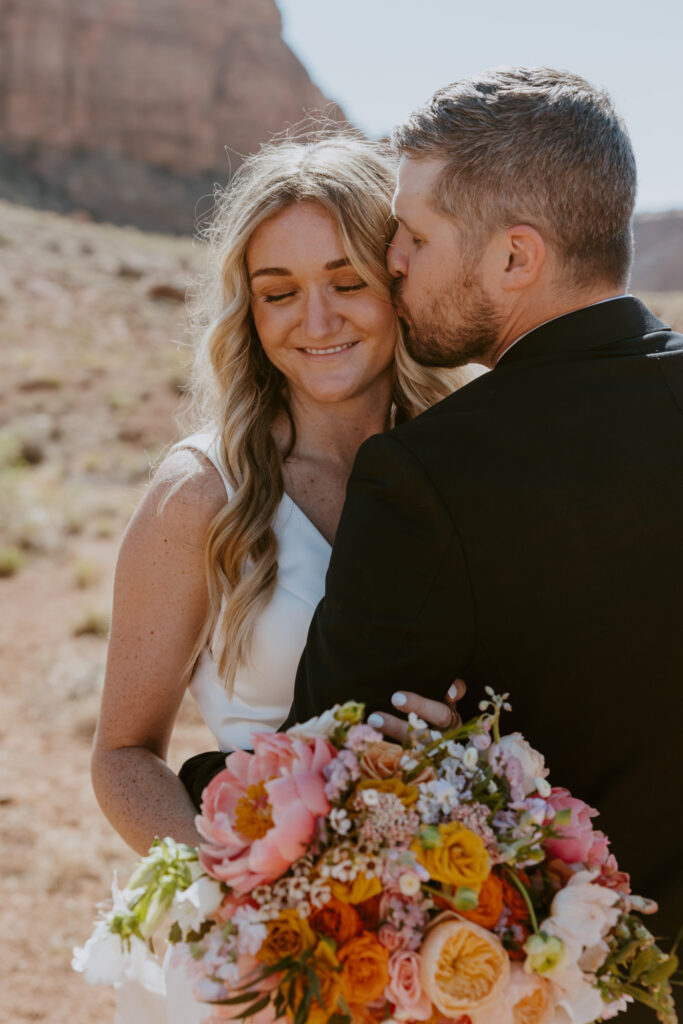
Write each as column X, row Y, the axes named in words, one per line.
column 533, row 763
column 193, row 905
column 409, row 883
column 576, row 995
column 107, row 960
column 543, row 787
column 340, row 821
column 321, row 725
column 470, row 758
column 370, row 797
column 582, row 913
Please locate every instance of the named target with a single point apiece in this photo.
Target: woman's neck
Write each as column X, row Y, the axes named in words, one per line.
column 334, row 431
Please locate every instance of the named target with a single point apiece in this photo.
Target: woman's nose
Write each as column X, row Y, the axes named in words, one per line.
column 321, row 320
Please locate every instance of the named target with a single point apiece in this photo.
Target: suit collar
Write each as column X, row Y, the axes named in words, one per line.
column 591, row 327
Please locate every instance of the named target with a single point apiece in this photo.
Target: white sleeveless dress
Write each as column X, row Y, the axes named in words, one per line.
column 260, row 703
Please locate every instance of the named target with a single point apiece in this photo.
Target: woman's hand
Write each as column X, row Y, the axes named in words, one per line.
column 440, row 715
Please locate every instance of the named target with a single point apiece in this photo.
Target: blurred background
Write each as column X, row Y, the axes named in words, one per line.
column 117, row 118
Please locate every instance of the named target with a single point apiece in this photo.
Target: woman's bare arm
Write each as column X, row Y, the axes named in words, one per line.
column 160, row 604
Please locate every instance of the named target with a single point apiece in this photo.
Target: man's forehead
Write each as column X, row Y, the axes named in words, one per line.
column 415, row 182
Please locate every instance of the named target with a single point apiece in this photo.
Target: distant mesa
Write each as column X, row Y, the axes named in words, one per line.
column 131, row 110
column 658, row 264
column 124, row 108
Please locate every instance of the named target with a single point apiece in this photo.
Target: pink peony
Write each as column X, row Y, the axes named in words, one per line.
column 577, row 842
column 405, row 988
column 259, row 814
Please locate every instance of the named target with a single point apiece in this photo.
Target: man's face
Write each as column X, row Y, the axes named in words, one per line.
column 447, row 316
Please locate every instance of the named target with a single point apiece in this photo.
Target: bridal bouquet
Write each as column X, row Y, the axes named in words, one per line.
column 345, row 878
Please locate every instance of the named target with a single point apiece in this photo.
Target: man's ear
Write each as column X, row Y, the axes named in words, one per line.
column 523, row 253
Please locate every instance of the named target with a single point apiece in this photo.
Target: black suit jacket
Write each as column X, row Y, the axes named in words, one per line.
column 527, row 534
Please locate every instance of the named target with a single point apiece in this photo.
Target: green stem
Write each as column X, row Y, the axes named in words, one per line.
column 527, row 899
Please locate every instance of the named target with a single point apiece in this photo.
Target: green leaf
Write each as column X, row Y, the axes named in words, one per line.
column 244, row 997
column 251, row 1011
column 563, row 817
column 662, row 971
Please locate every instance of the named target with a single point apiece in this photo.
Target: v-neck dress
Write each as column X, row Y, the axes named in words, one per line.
column 265, row 684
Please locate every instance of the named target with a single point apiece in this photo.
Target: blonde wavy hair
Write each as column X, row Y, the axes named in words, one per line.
column 236, row 389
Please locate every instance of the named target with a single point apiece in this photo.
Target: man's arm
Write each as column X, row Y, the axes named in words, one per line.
column 397, row 611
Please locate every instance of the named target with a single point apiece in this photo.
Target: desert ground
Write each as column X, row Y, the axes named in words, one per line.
column 94, row 354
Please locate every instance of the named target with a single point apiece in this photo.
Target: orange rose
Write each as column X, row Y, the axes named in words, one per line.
column 382, row 760
column 513, row 899
column 368, row 911
column 365, row 968
column 337, row 920
column 490, row 905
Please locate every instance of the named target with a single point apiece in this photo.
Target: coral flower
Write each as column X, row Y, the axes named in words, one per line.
column 490, row 905
column 365, row 968
column 259, row 813
column 337, row 920
column 464, row 968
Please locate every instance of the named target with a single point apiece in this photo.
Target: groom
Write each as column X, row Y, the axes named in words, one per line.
column 527, row 532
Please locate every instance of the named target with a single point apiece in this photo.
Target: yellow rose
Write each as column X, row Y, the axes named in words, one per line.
column 357, row 891
column 288, row 935
column 406, row 793
column 459, row 859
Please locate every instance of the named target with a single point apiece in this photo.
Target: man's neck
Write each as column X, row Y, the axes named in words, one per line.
column 523, row 321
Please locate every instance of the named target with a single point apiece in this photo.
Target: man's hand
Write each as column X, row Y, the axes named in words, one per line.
column 441, row 716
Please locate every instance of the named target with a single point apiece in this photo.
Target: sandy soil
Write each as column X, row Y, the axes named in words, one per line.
column 92, row 355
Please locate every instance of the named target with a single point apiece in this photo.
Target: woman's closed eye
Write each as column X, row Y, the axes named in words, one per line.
column 279, row 297
column 352, row 287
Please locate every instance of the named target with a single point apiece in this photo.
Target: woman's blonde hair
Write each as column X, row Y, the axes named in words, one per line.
column 234, row 385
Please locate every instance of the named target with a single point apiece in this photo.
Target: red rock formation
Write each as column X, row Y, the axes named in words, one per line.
column 161, row 84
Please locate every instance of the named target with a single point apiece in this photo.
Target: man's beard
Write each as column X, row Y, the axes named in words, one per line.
column 459, row 326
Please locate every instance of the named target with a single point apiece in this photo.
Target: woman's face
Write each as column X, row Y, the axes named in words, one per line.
column 317, row 319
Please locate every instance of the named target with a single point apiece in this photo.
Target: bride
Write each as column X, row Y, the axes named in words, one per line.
column 224, row 561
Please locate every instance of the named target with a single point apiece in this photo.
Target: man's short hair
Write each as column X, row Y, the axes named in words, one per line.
column 533, row 146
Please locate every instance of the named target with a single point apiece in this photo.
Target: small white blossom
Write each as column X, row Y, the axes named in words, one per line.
column 470, row 758
column 340, row 821
column 416, row 722
column 370, row 797
column 409, row 883
column 543, row 787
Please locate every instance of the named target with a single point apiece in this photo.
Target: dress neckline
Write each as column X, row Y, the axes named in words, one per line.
column 310, row 522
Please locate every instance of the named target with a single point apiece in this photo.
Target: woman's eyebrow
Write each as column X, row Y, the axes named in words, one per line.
column 284, row 272
column 271, row 272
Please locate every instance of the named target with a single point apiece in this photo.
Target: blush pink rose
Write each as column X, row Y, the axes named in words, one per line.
column 389, row 936
column 405, row 988
column 577, row 842
column 259, row 814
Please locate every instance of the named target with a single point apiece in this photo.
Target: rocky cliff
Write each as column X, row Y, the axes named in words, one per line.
column 131, row 109
column 658, row 264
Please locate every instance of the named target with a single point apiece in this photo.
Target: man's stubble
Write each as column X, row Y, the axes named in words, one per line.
column 460, row 325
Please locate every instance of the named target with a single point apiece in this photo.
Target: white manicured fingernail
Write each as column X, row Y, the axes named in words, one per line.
column 452, row 691
column 399, row 700
column 375, row 720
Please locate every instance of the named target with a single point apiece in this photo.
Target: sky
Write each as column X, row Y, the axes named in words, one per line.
column 381, row 58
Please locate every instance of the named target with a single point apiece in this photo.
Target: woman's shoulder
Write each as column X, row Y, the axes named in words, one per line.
column 183, row 498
